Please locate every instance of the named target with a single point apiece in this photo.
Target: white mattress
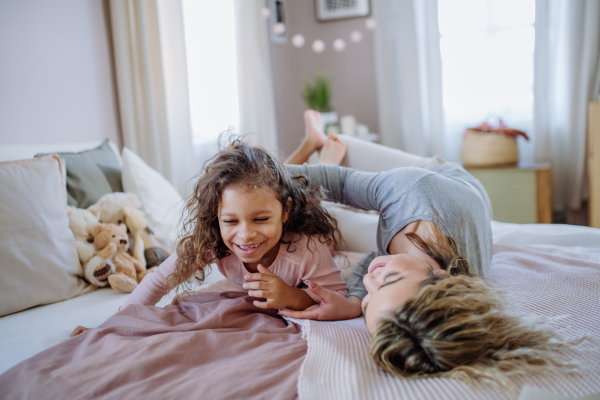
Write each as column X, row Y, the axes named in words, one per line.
column 26, row 333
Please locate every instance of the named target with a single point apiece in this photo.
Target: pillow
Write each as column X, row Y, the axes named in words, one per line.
column 161, row 202
column 38, row 256
column 91, row 174
column 359, row 229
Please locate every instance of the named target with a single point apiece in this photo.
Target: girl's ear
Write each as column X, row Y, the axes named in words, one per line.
column 287, row 209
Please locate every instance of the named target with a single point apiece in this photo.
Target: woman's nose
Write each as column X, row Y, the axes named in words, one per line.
column 368, row 281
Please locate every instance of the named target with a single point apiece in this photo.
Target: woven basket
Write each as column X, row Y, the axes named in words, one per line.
column 482, row 149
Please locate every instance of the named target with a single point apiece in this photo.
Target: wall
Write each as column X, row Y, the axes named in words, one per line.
column 353, row 71
column 56, row 75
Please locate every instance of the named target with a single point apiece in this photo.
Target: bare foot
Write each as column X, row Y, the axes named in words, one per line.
column 333, row 151
column 314, row 129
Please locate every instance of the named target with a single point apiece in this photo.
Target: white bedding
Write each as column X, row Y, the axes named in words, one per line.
column 28, row 332
column 579, row 242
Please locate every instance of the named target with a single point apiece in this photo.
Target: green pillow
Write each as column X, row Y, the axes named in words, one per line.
column 91, row 174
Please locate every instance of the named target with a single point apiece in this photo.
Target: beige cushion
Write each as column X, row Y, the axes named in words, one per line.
column 38, row 257
column 161, row 202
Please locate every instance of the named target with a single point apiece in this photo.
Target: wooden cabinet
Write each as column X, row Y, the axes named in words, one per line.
column 519, row 194
column 594, row 163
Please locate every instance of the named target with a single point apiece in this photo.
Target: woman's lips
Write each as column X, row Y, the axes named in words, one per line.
column 375, row 266
column 248, row 249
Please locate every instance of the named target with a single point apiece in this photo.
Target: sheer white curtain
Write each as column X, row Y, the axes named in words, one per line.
column 487, row 56
column 255, row 86
column 567, row 52
column 409, row 77
column 149, row 50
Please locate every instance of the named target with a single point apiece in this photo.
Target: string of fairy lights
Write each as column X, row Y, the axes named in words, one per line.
column 318, row 45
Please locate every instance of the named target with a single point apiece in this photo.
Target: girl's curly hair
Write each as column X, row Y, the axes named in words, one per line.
column 249, row 167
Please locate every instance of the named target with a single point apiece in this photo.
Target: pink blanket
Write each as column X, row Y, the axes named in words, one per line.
column 209, row 346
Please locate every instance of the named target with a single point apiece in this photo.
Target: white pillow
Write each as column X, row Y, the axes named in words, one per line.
column 161, row 202
column 359, row 229
column 38, row 256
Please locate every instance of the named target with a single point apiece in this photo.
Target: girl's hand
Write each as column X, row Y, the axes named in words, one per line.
column 78, row 330
column 333, row 306
column 277, row 293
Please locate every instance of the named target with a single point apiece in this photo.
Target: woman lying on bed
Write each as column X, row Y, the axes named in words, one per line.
column 422, row 294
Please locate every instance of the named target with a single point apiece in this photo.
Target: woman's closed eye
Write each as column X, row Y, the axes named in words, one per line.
column 388, row 274
column 387, row 281
column 261, row 219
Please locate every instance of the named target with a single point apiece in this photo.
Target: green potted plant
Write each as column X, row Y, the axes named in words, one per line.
column 317, row 96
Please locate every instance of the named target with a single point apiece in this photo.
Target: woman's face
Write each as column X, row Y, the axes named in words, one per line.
column 392, row 280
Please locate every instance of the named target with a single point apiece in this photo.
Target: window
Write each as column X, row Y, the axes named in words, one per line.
column 487, row 66
column 211, row 61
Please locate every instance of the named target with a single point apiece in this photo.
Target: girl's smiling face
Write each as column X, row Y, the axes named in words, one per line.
column 251, row 224
column 393, row 280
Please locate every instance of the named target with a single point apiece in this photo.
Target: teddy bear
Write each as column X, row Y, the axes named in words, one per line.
column 145, row 248
column 109, row 208
column 123, row 272
column 82, row 223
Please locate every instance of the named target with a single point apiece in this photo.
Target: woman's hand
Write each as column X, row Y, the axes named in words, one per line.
column 78, row 330
column 278, row 294
column 333, row 306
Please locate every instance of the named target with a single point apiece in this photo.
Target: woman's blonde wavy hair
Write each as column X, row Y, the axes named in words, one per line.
column 249, row 167
column 457, row 327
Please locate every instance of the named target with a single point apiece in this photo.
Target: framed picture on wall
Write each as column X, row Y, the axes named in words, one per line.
column 328, row 10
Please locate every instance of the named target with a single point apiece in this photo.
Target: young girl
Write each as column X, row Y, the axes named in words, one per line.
column 261, row 226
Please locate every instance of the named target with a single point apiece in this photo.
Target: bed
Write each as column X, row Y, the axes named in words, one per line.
column 563, row 262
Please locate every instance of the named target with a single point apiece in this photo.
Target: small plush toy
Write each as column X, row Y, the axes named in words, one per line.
column 146, row 248
column 109, row 208
column 82, row 223
column 112, row 244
